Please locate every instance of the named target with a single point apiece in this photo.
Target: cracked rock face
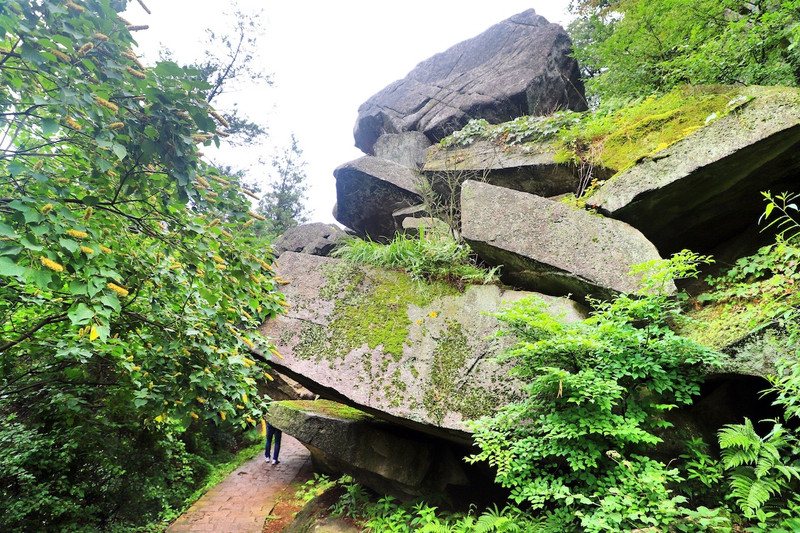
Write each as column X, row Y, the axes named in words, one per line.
column 419, row 355
column 520, row 66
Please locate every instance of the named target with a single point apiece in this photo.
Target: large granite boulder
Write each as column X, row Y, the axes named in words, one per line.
column 387, row 458
column 369, row 190
column 705, row 188
column 533, row 172
column 316, row 239
column 414, row 353
column 521, row 66
column 550, row 246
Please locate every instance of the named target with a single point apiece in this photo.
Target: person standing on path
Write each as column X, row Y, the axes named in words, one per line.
column 276, row 434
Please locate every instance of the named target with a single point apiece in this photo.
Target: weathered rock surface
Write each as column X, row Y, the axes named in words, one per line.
column 408, row 148
column 315, row 517
column 521, row 66
column 387, row 458
column 315, row 239
column 418, row 355
column 534, row 173
column 705, row 189
column 549, row 246
column 369, row 190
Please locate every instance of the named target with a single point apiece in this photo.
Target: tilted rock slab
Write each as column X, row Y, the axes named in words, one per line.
column 550, row 246
column 387, row 458
column 705, row 189
column 369, row 190
column 520, row 66
column 415, row 354
column 534, row 173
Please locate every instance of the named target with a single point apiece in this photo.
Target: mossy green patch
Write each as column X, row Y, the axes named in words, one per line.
column 444, row 392
column 327, row 407
column 370, row 311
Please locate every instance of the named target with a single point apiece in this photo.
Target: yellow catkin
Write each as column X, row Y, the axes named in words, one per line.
column 202, row 181
column 251, row 421
column 61, row 55
column 255, row 215
column 77, row 234
column 222, row 415
column 194, row 415
column 249, row 193
column 201, row 400
column 136, row 27
column 46, row 208
column 201, row 137
column 219, row 118
column 136, row 73
column 117, row 289
column 270, row 378
column 226, row 234
column 88, row 213
column 116, row 126
column 275, row 352
column 249, row 222
column 85, row 48
column 87, row 250
column 222, row 133
column 218, row 179
column 135, row 368
column 52, row 265
column 105, row 249
column 75, row 8
column 102, row 102
column 101, row 37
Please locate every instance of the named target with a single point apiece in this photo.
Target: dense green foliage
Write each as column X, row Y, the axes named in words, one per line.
column 637, row 47
column 128, row 275
column 431, row 256
column 577, row 450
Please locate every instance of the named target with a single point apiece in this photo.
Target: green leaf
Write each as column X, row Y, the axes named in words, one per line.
column 69, row 244
column 78, row 288
column 80, row 314
column 7, row 231
column 120, row 151
column 111, row 300
column 49, row 126
column 10, row 268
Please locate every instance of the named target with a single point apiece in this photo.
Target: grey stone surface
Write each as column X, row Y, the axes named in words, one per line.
column 369, row 190
column 316, row 239
column 550, row 246
column 520, row 66
column 408, row 148
column 532, row 172
column 433, row 368
column 387, row 458
column 705, row 189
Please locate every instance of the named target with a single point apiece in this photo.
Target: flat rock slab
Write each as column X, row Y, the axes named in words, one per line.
column 705, row 189
column 532, row 172
column 520, row 66
column 416, row 354
column 550, row 246
column 387, row 458
column 369, row 190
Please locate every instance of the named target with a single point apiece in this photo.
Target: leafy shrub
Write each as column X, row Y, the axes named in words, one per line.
column 575, row 448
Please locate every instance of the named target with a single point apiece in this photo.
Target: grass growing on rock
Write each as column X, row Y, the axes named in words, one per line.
column 614, row 138
column 431, row 256
column 327, row 407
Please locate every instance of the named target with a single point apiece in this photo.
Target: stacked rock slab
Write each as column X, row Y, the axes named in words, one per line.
column 369, row 190
column 550, row 246
column 521, row 66
column 387, row 458
column 705, row 189
column 419, row 356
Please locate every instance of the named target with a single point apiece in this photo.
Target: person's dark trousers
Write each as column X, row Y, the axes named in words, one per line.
column 276, row 434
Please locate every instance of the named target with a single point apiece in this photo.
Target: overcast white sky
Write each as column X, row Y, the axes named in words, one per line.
column 326, row 58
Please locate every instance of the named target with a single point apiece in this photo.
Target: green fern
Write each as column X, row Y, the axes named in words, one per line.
column 759, row 469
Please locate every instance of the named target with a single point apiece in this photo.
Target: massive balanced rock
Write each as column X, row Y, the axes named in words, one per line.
column 419, row 355
column 520, row 66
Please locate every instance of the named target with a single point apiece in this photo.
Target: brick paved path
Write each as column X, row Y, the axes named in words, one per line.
column 241, row 502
